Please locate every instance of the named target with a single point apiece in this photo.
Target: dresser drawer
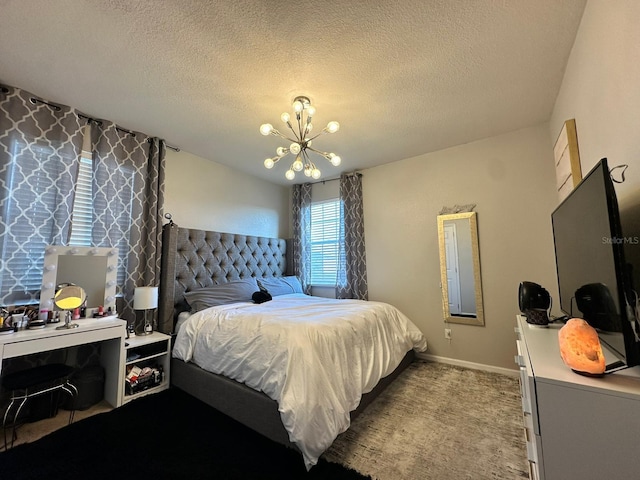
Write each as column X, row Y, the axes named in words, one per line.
column 535, row 472
column 527, row 385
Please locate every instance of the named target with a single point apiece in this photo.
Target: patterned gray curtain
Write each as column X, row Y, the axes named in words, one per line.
column 40, row 146
column 352, row 266
column 129, row 169
column 301, row 212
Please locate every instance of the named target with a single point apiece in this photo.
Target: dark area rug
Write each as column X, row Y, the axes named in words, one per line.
column 162, row 436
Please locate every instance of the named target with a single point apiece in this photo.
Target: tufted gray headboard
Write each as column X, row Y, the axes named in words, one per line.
column 197, row 258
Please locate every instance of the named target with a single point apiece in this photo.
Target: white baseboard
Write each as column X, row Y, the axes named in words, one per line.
column 463, row 363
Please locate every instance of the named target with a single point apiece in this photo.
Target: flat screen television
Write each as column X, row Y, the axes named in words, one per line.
column 594, row 280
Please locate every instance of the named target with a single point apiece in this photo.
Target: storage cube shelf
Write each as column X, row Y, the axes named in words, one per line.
column 151, row 351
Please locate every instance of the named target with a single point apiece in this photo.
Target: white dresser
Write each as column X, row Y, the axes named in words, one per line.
column 576, row 427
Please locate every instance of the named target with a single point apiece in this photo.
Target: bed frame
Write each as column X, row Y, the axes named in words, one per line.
column 194, row 259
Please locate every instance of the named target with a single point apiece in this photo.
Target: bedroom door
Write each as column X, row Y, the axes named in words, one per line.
column 453, row 272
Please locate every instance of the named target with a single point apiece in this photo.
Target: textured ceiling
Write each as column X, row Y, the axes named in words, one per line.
column 403, row 78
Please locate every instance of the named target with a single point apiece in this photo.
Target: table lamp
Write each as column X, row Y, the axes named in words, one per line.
column 146, row 298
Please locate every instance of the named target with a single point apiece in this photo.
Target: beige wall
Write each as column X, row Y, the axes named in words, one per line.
column 206, row 195
column 601, row 90
column 512, row 180
column 508, row 177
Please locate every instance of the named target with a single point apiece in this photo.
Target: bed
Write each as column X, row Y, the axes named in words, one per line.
column 197, row 259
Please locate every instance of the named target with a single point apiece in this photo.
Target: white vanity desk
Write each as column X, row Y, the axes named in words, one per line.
column 110, row 331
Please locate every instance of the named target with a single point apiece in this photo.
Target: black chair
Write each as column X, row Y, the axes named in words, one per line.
column 30, row 383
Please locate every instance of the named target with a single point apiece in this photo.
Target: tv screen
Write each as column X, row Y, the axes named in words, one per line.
column 592, row 273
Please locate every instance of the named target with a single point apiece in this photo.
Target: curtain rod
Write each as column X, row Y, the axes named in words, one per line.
column 57, row 108
column 99, row 122
column 130, row 132
column 89, row 119
column 349, row 174
column 175, row 149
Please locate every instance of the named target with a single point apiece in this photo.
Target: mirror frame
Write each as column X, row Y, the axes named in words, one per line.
column 475, row 251
column 50, row 271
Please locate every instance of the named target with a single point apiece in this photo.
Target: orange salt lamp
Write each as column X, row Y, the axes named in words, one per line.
column 580, row 348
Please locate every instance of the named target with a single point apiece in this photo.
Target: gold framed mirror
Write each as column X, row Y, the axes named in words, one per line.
column 460, row 277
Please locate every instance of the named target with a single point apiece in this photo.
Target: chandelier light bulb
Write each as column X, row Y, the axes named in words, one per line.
column 309, row 127
column 307, row 170
column 294, row 148
column 290, row 174
column 298, row 106
column 333, row 127
column 297, row 165
column 269, row 163
column 335, row 160
column 285, row 117
column 266, row 128
column 281, row 151
column 315, row 174
column 311, row 111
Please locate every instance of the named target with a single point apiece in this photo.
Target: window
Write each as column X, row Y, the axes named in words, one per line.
column 83, row 211
column 325, row 233
column 34, row 167
column 83, row 204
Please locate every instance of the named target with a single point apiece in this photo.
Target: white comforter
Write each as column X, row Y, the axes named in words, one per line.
column 314, row 356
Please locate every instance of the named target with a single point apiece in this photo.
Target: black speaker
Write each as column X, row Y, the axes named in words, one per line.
column 534, row 301
column 595, row 302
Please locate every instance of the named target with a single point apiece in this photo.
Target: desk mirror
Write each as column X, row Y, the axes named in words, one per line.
column 460, row 278
column 94, row 269
column 69, row 297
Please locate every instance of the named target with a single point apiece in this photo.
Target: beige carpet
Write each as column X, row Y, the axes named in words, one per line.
column 439, row 422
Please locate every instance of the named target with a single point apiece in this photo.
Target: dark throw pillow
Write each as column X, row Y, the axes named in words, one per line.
column 261, row 296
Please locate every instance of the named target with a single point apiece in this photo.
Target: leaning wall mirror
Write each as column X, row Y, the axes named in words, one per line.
column 92, row 268
column 460, row 278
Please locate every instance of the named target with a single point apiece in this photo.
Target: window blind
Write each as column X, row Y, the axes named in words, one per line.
column 82, row 217
column 27, row 263
column 325, row 233
column 31, row 173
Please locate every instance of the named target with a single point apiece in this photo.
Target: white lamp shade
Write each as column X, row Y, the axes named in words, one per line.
column 145, row 298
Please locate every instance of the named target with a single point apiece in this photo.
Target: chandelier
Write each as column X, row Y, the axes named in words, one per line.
column 300, row 144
